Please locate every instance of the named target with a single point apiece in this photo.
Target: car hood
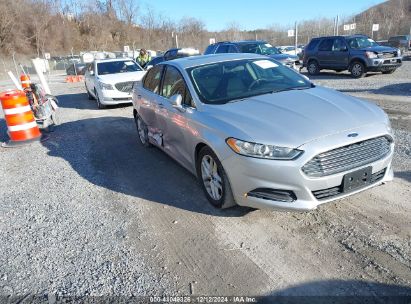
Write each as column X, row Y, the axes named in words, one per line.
column 284, row 57
column 379, row 49
column 293, row 118
column 121, row 77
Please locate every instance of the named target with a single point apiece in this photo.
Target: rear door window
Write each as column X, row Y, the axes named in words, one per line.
column 152, row 79
column 339, row 45
column 326, row 45
column 313, row 44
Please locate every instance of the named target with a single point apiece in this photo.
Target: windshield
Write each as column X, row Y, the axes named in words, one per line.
column 259, row 48
column 114, row 67
column 361, row 42
column 222, row 82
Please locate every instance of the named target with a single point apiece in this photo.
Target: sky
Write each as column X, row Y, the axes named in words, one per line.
column 250, row 15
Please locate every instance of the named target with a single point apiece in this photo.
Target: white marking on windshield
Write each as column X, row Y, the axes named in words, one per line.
column 265, row 64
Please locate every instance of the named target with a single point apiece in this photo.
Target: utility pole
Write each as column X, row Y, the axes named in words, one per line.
column 336, row 25
column 296, row 37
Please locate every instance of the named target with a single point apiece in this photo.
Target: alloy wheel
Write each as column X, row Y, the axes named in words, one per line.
column 357, row 70
column 211, row 178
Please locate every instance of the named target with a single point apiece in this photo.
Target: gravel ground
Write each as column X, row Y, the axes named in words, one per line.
column 89, row 212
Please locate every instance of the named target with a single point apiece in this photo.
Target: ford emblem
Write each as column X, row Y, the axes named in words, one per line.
column 352, row 134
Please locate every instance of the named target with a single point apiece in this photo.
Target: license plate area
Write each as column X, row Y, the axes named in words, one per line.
column 357, row 179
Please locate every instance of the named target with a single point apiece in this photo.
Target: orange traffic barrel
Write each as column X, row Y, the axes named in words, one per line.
column 25, row 81
column 21, row 124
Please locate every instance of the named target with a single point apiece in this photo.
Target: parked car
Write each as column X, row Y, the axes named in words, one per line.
column 290, row 50
column 254, row 47
column 110, row 81
column 172, row 54
column 358, row 54
column 258, row 134
column 76, row 69
column 402, row 42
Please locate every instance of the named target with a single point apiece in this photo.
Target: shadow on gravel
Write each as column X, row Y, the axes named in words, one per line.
column 405, row 175
column 80, row 101
column 106, row 152
column 399, row 89
column 341, row 292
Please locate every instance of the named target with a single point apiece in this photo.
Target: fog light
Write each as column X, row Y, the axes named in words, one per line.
column 273, row 194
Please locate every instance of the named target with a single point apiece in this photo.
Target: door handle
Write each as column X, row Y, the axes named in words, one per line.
column 139, row 96
column 160, row 105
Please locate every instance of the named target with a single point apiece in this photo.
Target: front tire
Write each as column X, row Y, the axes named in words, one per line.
column 357, row 69
column 213, row 179
column 90, row 97
column 99, row 104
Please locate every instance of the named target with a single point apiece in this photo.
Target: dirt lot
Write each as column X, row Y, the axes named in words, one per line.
column 89, row 212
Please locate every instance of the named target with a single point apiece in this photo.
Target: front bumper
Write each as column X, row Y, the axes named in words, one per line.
column 247, row 174
column 112, row 97
column 383, row 64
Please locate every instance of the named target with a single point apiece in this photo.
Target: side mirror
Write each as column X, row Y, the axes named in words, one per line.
column 91, row 73
column 148, row 67
column 176, row 100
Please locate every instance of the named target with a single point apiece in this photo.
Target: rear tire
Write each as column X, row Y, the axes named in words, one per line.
column 357, row 69
column 213, row 179
column 313, row 68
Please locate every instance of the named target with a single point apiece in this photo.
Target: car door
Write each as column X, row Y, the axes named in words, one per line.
column 148, row 102
column 175, row 123
column 339, row 54
column 324, row 54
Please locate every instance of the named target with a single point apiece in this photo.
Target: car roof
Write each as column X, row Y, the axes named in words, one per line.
column 341, row 36
column 193, row 61
column 112, row 60
column 240, row 42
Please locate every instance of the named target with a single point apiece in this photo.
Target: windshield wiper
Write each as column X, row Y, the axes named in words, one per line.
column 293, row 89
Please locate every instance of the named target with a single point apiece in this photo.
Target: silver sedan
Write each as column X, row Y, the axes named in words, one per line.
column 258, row 134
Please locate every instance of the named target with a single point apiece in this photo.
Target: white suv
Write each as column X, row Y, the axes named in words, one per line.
column 110, row 81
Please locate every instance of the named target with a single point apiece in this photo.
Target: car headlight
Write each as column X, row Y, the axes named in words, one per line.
column 106, row 86
column 371, row 55
column 261, row 150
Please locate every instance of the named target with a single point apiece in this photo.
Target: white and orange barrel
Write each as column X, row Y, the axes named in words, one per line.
column 19, row 118
column 25, row 81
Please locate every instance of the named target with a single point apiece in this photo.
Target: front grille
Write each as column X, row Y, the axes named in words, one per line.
column 388, row 55
column 335, row 191
column 125, row 87
column 348, row 157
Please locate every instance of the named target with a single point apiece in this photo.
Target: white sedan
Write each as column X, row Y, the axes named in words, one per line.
column 110, row 81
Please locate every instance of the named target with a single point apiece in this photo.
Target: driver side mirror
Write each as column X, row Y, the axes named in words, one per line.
column 91, row 73
column 176, row 100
